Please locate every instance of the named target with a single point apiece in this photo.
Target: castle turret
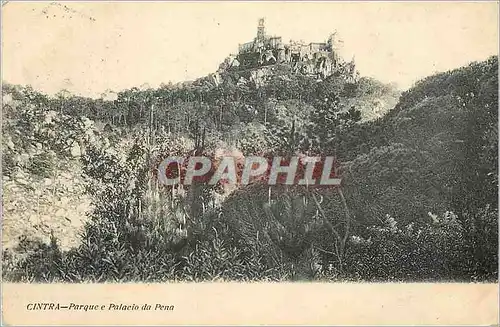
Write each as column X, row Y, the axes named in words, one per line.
column 261, row 30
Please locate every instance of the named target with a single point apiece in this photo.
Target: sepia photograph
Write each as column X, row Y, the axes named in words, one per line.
column 268, row 142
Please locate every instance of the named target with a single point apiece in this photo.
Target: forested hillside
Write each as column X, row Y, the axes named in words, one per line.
column 418, row 199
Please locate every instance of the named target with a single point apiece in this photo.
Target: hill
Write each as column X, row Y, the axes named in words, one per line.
column 419, row 180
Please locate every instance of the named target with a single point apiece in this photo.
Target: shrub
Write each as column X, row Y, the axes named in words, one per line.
column 42, row 164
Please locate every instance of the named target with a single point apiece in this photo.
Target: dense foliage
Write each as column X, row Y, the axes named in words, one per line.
column 418, row 200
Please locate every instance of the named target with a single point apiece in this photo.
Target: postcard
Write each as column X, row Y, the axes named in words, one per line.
column 249, row 163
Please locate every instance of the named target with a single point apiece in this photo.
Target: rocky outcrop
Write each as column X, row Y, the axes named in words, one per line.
column 36, row 207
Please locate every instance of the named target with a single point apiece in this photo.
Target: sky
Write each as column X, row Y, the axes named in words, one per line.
column 90, row 47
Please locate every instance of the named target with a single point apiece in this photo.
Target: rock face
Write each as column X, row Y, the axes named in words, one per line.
column 33, row 208
column 75, row 150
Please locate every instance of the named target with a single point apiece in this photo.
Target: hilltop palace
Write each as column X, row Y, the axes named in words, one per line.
column 315, row 59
